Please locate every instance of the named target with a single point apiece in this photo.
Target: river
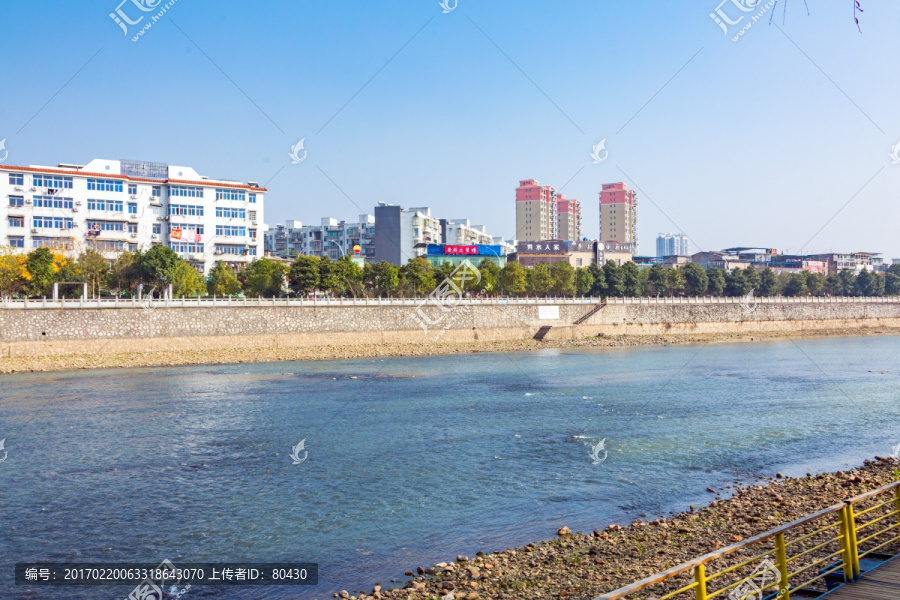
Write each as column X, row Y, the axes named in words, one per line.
column 411, row 461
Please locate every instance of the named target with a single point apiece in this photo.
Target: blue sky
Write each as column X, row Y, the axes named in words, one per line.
column 763, row 141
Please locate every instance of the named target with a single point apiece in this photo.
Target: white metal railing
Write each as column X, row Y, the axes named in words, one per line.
column 337, row 302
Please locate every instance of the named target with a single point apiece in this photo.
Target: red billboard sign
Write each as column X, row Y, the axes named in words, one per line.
column 461, row 250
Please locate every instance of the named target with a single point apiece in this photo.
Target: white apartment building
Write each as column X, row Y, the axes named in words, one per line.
column 117, row 205
column 460, row 232
column 332, row 238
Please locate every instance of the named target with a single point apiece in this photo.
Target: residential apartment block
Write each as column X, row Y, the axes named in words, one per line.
column 568, row 218
column 402, row 234
column 116, row 205
column 618, row 214
column 332, row 238
column 459, row 232
column 668, row 244
column 536, row 212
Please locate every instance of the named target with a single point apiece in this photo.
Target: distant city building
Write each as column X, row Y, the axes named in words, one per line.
column 402, row 234
column 113, row 206
column 578, row 254
column 618, row 214
column 568, row 216
column 669, row 244
column 855, row 261
column 536, row 211
column 332, row 238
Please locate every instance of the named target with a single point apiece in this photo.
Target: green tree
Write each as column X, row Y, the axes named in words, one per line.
column 677, row 282
column 615, row 279
column 716, row 281
column 815, row 283
column 753, row 278
column 417, row 277
column 382, row 278
column 599, row 287
column 512, row 279
column 490, row 277
column 263, row 277
column 352, row 276
column 563, row 274
column 187, row 281
column 584, row 281
column 631, row 277
column 892, row 281
column 796, row 285
column 869, row 283
column 696, row 279
column 847, row 282
column 540, row 280
column 768, row 283
column 657, row 280
column 95, row 269
column 736, row 283
column 42, row 271
column 223, row 281
column 121, row 273
column 303, row 275
column 331, row 277
column 155, row 267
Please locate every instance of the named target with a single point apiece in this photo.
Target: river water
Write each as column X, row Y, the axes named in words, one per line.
column 412, row 461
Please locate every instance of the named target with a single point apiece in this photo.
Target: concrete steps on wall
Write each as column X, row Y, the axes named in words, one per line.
column 542, row 333
column 591, row 313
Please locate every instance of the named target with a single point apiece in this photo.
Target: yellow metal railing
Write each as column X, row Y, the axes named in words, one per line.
column 798, row 555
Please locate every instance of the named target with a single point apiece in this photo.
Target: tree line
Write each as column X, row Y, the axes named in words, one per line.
column 33, row 274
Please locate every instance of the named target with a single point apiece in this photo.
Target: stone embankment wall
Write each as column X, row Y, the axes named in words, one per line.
column 101, row 328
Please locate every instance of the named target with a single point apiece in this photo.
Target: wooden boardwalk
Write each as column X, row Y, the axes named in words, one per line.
column 881, row 583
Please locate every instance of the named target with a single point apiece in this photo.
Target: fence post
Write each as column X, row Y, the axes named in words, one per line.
column 845, row 545
column 700, row 579
column 781, row 560
column 897, row 504
column 854, row 549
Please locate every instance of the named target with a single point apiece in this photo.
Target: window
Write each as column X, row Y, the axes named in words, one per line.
column 252, row 250
column 17, row 242
column 186, row 191
column 132, row 228
column 187, row 226
column 156, row 192
column 107, row 245
column 52, row 181
column 16, row 179
column 231, row 249
column 51, row 202
column 252, row 198
column 132, row 208
column 231, row 231
column 132, row 189
column 186, row 247
column 106, row 225
column 52, row 222
column 104, row 185
column 231, row 213
column 132, row 247
column 252, row 234
column 252, row 215
column 186, row 210
column 17, row 221
column 17, row 200
column 231, row 195
column 107, row 205
column 157, row 229
column 53, row 242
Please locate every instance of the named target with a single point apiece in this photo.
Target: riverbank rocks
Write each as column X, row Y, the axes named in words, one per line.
column 578, row 566
column 564, row 532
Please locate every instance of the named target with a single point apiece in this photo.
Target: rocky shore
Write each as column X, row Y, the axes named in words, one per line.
column 64, row 362
column 579, row 566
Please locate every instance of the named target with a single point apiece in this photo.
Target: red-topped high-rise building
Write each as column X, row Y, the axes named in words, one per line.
column 542, row 213
column 618, row 214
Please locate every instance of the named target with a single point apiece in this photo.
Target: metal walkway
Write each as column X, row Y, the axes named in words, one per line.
column 881, row 583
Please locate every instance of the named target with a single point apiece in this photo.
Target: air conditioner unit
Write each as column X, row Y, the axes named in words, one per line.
column 134, row 235
column 155, row 236
column 78, row 203
column 19, row 188
column 253, row 222
column 34, row 189
column 75, row 209
column 27, row 200
column 155, row 202
column 34, row 230
column 219, row 252
column 132, row 217
column 133, row 196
